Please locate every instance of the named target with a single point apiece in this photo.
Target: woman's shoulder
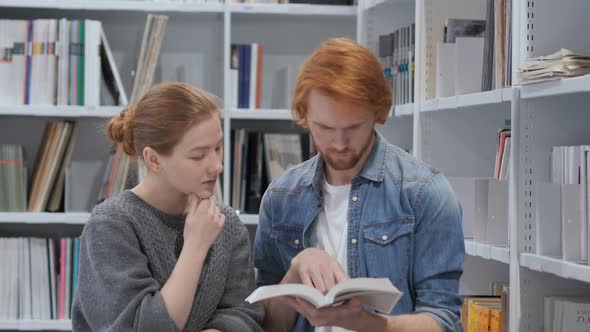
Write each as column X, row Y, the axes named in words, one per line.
column 232, row 221
column 113, row 214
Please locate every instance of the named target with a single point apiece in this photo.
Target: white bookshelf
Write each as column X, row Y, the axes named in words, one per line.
column 556, row 88
column 73, row 218
column 61, row 111
column 455, row 134
column 486, row 251
column 261, row 114
column 468, row 101
column 556, row 266
column 36, row 325
column 452, row 134
column 404, row 110
column 116, row 5
column 249, row 219
column 293, row 9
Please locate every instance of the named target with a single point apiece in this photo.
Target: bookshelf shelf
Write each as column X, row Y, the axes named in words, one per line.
column 249, row 219
column 36, row 325
column 429, row 105
column 372, row 4
column 403, row 110
column 469, row 100
column 293, row 9
column 486, row 251
column 556, row 88
column 110, row 5
column 74, row 218
column 60, row 111
column 556, row 266
column 261, row 114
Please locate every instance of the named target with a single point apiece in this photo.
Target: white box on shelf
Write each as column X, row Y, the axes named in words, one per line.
column 548, row 219
column 573, row 238
column 497, row 227
column 468, row 64
column 83, row 180
column 472, row 193
column 445, row 69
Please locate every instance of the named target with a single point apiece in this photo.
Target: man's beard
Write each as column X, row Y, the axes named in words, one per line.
column 348, row 159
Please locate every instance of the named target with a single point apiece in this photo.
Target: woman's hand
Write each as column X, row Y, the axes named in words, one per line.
column 203, row 223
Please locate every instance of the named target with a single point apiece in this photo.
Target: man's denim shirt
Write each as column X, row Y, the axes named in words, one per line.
column 404, row 223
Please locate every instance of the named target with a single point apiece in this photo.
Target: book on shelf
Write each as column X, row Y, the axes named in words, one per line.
column 455, row 27
column 57, row 62
column 117, row 174
column 565, row 314
column 379, row 294
column 569, row 194
column 46, row 192
column 246, row 75
column 13, row 178
column 396, row 53
column 487, row 312
column 258, row 159
column 502, row 164
column 38, row 281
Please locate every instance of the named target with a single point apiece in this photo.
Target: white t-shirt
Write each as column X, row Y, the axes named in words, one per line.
column 332, row 229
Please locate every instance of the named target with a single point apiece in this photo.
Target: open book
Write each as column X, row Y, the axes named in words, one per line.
column 378, row 294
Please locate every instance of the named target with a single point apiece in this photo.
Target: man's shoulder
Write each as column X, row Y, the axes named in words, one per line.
column 401, row 166
column 295, row 178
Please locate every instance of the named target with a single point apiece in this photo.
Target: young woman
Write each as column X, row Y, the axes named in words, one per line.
column 147, row 261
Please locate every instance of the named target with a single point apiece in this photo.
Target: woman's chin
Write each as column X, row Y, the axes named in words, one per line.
column 205, row 194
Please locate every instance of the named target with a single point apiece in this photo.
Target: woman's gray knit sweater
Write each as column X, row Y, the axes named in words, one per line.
column 128, row 250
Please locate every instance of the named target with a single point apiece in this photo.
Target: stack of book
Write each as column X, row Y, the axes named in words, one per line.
column 396, row 53
column 38, row 278
column 565, row 314
column 487, row 312
column 258, row 159
column 562, row 206
column 56, row 62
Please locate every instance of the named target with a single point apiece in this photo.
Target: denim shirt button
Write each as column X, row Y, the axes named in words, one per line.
column 296, row 242
column 355, row 198
column 384, row 238
column 353, row 241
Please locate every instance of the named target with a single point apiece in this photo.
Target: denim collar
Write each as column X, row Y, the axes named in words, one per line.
column 372, row 170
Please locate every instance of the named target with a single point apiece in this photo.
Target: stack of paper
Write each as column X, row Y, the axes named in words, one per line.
column 562, row 64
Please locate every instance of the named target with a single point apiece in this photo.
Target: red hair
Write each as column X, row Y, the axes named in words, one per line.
column 343, row 69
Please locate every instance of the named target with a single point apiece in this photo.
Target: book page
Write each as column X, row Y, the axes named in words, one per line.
column 379, row 294
column 308, row 293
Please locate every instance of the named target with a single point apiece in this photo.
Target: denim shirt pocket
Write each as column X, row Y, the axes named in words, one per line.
column 289, row 241
column 388, row 246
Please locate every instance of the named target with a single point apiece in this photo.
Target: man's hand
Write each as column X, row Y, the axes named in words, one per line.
column 314, row 267
column 349, row 315
column 211, row 330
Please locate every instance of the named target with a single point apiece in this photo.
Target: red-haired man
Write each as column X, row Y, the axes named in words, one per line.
column 360, row 208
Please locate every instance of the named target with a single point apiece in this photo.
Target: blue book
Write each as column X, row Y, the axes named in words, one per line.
column 248, row 65
column 241, row 68
column 75, row 265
